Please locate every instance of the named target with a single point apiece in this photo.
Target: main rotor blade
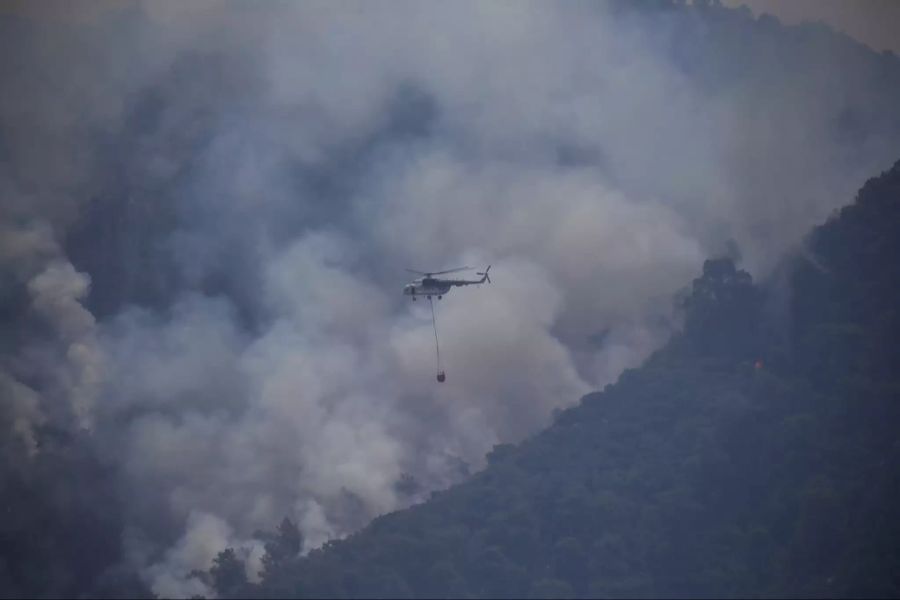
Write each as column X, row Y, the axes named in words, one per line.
column 450, row 271
column 430, row 273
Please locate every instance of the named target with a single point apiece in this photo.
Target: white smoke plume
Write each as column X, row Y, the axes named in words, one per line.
column 57, row 293
column 64, row 357
column 242, row 186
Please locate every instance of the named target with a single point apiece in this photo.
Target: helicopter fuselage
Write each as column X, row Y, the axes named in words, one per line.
column 427, row 286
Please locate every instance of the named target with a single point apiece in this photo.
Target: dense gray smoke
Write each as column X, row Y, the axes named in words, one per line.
column 207, row 209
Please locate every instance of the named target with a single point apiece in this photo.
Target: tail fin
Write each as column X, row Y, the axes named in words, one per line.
column 484, row 275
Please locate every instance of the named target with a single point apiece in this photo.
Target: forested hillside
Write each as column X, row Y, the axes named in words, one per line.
column 757, row 454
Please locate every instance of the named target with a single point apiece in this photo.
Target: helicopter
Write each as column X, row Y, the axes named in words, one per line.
column 428, row 285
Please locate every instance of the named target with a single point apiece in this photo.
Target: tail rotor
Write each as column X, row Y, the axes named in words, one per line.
column 484, row 274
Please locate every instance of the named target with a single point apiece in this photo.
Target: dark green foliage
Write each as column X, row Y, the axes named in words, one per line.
column 746, row 458
column 853, row 329
column 284, row 546
column 228, row 575
column 723, row 311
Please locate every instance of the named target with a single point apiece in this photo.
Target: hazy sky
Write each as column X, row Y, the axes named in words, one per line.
column 873, row 22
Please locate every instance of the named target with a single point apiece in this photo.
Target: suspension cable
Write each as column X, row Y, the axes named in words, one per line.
column 437, row 346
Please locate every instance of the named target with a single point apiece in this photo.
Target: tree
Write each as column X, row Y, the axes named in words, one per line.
column 285, row 545
column 723, row 310
column 228, row 574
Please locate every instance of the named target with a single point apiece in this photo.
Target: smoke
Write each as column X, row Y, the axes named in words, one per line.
column 205, row 536
column 208, row 208
column 58, row 370
column 56, row 294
